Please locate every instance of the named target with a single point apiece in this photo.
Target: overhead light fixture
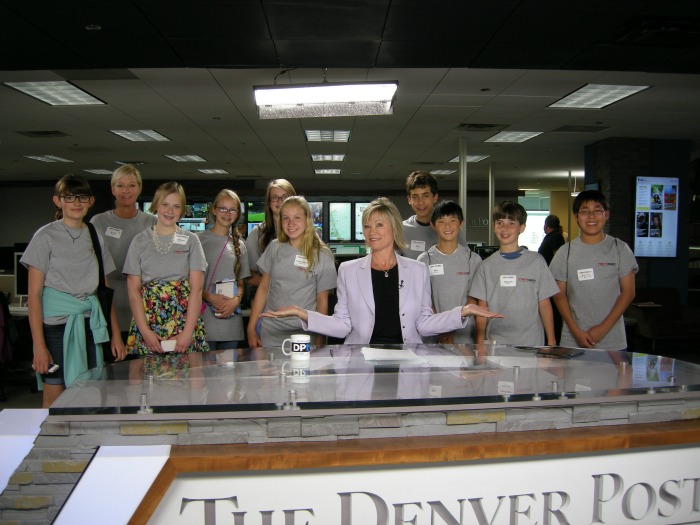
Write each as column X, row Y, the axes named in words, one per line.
column 99, row 172
column 140, row 135
column 513, row 136
column 575, row 193
column 186, row 158
column 596, row 96
column 56, row 93
column 442, row 172
column 213, row 171
column 336, row 157
column 327, row 172
column 472, row 158
column 47, row 158
column 327, row 135
column 328, row 99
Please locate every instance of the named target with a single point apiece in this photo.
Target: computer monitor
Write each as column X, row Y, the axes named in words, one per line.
column 251, row 226
column 317, row 214
column 21, row 277
column 359, row 231
column 485, row 251
column 339, row 227
column 255, row 211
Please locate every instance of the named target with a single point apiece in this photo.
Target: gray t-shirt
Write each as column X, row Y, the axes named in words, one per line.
column 592, row 274
column 183, row 256
column 291, row 285
column 68, row 265
column 420, row 237
column 450, row 278
column 231, row 328
column 251, row 245
column 514, row 287
column 118, row 234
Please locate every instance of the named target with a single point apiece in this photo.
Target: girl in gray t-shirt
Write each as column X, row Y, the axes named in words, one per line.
column 297, row 269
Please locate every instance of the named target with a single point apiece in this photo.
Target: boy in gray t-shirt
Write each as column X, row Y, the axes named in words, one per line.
column 517, row 283
column 451, row 267
column 595, row 274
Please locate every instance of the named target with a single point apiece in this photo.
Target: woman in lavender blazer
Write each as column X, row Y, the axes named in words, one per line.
column 383, row 298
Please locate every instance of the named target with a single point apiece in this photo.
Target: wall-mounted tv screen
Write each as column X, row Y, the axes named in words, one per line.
column 359, row 208
column 317, row 214
column 251, row 226
column 340, row 221
column 255, row 211
column 656, row 217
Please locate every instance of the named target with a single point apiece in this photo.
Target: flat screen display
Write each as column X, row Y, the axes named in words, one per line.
column 255, row 211
column 251, row 226
column 340, row 221
column 359, row 208
column 656, row 217
column 317, row 214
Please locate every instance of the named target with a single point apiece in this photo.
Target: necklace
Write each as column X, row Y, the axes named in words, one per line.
column 161, row 248
column 71, row 235
column 386, row 271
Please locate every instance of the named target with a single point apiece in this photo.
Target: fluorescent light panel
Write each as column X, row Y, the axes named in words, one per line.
column 325, row 100
column 327, row 172
column 335, row 157
column 56, row 93
column 99, row 172
column 186, row 158
column 442, row 172
column 472, row 158
column 140, row 135
column 513, row 136
column 596, row 96
column 213, row 171
column 47, row 158
column 317, row 135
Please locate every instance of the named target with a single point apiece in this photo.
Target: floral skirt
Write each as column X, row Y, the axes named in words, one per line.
column 165, row 303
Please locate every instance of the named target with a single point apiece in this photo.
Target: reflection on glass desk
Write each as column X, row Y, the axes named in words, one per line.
column 352, row 377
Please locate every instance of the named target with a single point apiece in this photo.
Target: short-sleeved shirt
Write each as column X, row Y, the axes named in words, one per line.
column 419, row 237
column 592, row 274
column 221, row 263
column 450, row 279
column 291, row 285
column 184, row 255
column 68, row 265
column 252, row 245
column 514, row 287
column 118, row 234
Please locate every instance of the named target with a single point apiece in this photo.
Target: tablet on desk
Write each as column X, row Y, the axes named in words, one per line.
column 559, row 351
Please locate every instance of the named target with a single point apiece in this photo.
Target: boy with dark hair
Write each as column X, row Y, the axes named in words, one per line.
column 451, row 267
column 517, row 283
column 595, row 275
column 422, row 194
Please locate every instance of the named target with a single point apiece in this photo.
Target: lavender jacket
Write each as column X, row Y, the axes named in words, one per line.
column 353, row 317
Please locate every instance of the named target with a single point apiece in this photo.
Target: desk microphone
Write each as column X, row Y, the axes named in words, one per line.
column 401, row 284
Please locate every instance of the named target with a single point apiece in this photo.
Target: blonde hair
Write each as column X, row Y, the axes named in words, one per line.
column 267, row 229
column 127, row 170
column 311, row 245
column 386, row 209
column 235, row 234
column 163, row 191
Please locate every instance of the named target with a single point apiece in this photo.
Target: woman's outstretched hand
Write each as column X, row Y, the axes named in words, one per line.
column 475, row 310
column 288, row 311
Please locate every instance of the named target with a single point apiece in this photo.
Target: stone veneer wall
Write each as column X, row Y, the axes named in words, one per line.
column 42, row 483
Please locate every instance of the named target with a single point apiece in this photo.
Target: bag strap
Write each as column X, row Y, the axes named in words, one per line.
column 217, row 263
column 98, row 253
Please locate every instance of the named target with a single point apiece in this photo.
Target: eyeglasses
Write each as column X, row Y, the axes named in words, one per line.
column 278, row 198
column 71, row 198
column 227, row 210
column 589, row 213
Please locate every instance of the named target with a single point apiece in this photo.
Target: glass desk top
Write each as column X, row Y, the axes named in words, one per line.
column 338, row 378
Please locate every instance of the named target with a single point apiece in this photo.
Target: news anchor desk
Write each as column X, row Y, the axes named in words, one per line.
column 495, row 434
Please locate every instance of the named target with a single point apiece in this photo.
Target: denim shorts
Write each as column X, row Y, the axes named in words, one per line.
column 53, row 335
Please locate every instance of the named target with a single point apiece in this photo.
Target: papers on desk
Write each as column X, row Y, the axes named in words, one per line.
column 386, row 355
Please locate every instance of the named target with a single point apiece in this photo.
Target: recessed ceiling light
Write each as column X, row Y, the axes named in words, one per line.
column 513, row 136
column 596, row 96
column 315, row 135
column 327, row 172
column 140, row 135
column 336, row 157
column 99, row 172
column 472, row 158
column 442, row 172
column 186, row 158
column 47, row 158
column 56, row 93
column 213, row 171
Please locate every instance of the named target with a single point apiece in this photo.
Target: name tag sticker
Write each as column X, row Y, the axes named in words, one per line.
column 178, row 238
column 300, row 261
column 113, row 232
column 506, row 388
column 418, row 246
column 435, row 391
column 437, row 269
column 585, row 274
column 508, row 280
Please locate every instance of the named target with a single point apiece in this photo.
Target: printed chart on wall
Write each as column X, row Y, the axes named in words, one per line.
column 656, row 217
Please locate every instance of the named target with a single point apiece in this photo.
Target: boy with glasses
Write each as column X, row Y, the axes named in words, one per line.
column 595, row 274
